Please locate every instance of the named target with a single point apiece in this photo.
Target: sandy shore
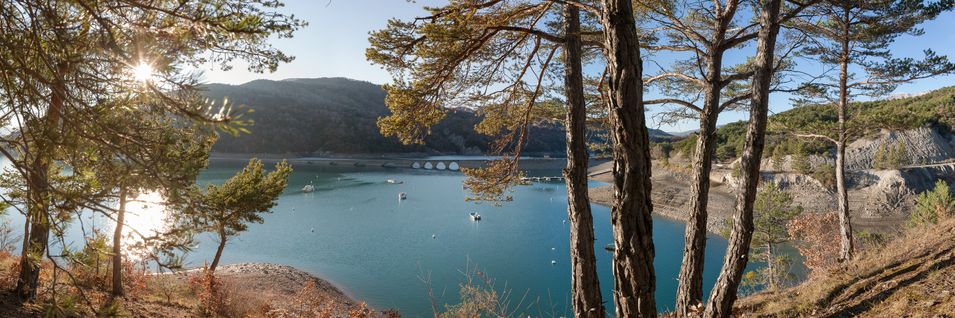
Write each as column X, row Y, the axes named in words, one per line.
column 670, row 195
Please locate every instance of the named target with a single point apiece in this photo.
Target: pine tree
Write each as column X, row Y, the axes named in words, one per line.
column 857, row 33
column 227, row 209
column 63, row 59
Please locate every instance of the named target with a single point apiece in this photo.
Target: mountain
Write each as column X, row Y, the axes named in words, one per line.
column 324, row 116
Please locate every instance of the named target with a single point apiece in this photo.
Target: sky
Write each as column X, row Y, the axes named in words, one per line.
column 334, row 43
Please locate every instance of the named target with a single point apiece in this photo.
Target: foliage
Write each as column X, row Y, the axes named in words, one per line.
column 227, row 209
column 817, row 234
column 933, row 205
column 894, row 157
column 800, row 162
column 207, row 289
column 825, row 174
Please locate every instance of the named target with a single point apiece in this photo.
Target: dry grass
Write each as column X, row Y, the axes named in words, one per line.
column 911, row 276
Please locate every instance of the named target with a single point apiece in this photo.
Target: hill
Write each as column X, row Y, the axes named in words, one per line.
column 323, row 116
column 932, row 112
column 912, row 276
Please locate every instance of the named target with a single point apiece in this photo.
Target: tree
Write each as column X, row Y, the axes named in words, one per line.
column 856, row 34
column 166, row 158
column 585, row 285
column 227, row 209
column 461, row 54
column 59, row 60
column 880, row 161
column 773, row 210
column 933, row 205
column 705, row 31
column 720, row 303
column 634, row 277
column 778, row 158
column 800, row 161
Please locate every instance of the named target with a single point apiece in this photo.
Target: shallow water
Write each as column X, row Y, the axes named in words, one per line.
column 354, row 232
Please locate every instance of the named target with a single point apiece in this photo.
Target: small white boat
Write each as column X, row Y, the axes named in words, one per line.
column 393, row 181
column 402, row 196
column 308, row 188
column 610, row 247
column 475, row 216
column 553, row 262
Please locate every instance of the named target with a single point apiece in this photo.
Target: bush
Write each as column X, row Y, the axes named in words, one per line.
column 818, row 234
column 933, row 205
column 826, row 174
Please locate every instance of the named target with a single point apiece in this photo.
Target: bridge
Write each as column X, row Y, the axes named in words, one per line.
column 451, row 164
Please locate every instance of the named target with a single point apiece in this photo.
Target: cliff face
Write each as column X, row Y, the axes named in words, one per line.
column 923, row 146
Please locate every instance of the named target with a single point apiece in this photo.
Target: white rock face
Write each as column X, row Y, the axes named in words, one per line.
column 923, row 146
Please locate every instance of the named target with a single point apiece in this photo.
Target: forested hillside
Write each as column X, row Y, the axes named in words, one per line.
column 338, row 116
column 935, row 110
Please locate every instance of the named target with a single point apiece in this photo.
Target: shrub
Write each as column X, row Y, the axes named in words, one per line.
column 933, row 205
column 825, row 174
column 208, row 291
column 818, row 234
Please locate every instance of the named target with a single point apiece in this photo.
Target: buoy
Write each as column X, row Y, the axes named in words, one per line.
column 434, row 236
column 553, row 262
column 313, row 230
column 553, row 248
column 565, row 221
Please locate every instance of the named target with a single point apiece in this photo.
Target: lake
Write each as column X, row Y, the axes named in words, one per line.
column 354, row 232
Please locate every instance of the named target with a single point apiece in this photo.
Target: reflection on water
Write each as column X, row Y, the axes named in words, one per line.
column 145, row 217
column 353, row 231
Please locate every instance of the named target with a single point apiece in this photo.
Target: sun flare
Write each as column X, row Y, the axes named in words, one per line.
column 145, row 214
column 143, row 72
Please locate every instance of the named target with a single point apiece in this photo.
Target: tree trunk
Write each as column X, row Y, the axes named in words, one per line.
column 585, row 286
column 842, row 195
column 117, row 245
column 771, row 266
column 690, row 279
column 215, row 260
column 38, row 201
column 723, row 295
column 634, row 279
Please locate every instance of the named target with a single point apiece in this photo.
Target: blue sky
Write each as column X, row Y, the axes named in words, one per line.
column 333, row 45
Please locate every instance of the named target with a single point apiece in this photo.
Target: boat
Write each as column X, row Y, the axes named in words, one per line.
column 308, row 188
column 609, row 247
column 402, row 196
column 393, row 181
column 475, row 216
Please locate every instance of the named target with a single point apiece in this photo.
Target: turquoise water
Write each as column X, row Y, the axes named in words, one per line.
column 376, row 247
column 354, row 232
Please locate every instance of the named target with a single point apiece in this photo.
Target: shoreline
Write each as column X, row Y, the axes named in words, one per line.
column 669, row 196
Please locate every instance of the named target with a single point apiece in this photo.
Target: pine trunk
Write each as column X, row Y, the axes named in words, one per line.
column 585, row 286
column 37, row 238
column 215, row 260
column 117, row 245
column 690, row 278
column 723, row 295
column 842, row 194
column 634, row 278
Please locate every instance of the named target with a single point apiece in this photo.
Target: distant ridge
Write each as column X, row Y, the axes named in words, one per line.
column 317, row 116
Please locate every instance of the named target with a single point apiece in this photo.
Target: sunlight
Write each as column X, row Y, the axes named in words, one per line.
column 143, row 72
column 146, row 214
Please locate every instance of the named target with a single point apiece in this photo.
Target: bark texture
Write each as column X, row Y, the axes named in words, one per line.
column 634, row 278
column 690, row 279
column 117, row 246
column 585, row 286
column 723, row 295
column 842, row 194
